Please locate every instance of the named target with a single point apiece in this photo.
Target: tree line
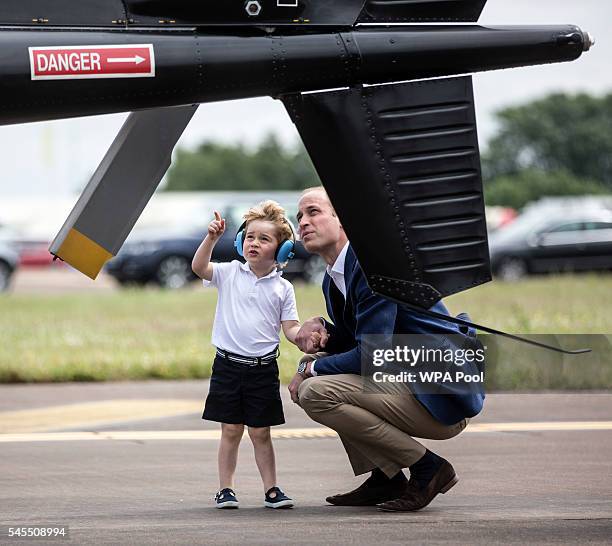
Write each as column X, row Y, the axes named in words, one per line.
column 558, row 145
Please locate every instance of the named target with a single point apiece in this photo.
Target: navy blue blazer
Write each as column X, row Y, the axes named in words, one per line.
column 364, row 312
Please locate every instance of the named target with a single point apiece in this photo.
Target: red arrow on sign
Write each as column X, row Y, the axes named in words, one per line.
column 94, row 61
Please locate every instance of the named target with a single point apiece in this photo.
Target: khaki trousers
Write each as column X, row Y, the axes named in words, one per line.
column 376, row 428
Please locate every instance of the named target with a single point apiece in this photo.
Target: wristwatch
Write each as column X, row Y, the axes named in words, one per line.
column 303, row 366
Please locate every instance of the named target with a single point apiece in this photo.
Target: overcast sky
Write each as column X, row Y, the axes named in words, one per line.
column 58, row 157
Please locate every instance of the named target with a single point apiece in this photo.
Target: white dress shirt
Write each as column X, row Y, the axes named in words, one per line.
column 336, row 271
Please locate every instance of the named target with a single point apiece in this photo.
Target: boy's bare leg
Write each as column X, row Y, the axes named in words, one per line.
column 228, row 453
column 264, row 455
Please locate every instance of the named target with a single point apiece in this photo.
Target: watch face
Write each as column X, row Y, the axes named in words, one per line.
column 302, row 367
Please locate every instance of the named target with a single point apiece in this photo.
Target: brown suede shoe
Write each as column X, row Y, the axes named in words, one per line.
column 369, row 495
column 415, row 498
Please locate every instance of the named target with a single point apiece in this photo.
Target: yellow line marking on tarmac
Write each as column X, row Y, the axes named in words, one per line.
column 91, row 414
column 287, row 433
column 140, row 435
column 544, row 426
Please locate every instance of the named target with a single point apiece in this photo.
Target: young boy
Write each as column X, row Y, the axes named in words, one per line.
column 254, row 302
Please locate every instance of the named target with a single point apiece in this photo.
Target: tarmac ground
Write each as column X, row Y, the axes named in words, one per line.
column 133, row 463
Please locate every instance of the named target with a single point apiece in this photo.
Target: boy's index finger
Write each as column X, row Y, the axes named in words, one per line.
column 217, row 216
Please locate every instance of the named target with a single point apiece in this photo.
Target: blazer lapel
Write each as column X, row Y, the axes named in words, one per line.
column 333, row 299
column 339, row 309
column 347, row 304
column 349, row 265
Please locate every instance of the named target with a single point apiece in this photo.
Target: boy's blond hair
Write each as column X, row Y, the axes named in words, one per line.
column 271, row 211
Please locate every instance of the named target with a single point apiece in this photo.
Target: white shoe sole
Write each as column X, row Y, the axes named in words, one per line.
column 280, row 504
column 228, row 504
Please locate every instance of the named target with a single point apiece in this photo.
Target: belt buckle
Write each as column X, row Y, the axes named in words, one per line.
column 252, row 362
column 242, row 363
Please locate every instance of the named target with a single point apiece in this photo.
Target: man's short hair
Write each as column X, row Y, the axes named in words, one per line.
column 314, row 188
column 322, row 189
column 271, row 211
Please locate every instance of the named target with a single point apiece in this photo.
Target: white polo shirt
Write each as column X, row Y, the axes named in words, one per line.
column 250, row 310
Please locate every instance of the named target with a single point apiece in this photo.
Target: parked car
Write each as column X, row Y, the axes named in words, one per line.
column 499, row 217
column 9, row 258
column 553, row 239
column 36, row 254
column 164, row 256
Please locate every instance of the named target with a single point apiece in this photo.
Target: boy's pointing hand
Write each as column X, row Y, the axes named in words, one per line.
column 217, row 227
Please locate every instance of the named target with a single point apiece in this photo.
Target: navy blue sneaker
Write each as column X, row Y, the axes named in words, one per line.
column 279, row 500
column 226, row 498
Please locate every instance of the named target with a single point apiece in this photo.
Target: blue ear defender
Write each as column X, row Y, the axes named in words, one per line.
column 284, row 252
column 239, row 240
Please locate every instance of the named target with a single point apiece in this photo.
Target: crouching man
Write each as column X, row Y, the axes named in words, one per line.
column 377, row 430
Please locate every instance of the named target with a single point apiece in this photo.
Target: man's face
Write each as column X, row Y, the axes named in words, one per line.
column 318, row 226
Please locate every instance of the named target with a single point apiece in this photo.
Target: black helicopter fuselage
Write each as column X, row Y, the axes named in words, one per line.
column 58, row 73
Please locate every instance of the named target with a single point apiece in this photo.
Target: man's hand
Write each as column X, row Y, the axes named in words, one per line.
column 216, row 228
column 312, row 336
column 294, row 386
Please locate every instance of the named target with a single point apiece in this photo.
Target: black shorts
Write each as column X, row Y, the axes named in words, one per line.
column 244, row 395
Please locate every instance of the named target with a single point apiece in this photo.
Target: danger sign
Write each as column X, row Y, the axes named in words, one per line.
column 103, row 61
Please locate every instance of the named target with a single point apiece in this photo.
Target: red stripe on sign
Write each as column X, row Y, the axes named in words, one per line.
column 92, row 62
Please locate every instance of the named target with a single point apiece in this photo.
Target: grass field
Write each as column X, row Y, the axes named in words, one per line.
column 154, row 334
